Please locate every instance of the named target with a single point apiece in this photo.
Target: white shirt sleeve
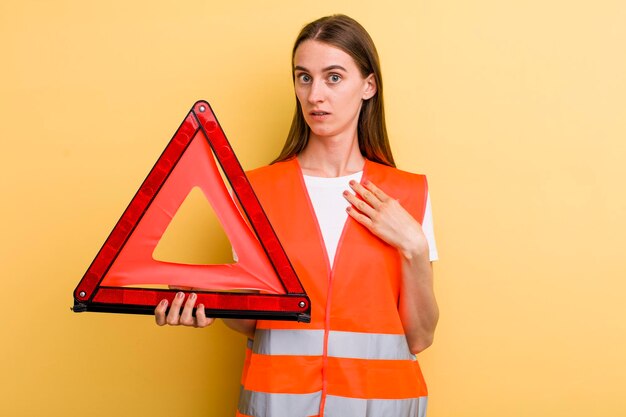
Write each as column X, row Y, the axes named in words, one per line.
column 427, row 227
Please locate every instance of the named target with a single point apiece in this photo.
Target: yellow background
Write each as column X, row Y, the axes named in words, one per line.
column 515, row 110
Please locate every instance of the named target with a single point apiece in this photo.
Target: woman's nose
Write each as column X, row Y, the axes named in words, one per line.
column 316, row 92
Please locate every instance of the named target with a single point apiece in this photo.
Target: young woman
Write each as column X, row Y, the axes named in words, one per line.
column 359, row 234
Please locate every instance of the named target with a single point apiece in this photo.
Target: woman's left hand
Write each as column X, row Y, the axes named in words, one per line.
column 385, row 217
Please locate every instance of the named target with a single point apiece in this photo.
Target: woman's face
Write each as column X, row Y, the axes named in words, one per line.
column 330, row 88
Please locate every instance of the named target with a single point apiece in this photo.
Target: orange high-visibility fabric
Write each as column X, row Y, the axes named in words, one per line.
column 381, row 379
column 359, row 293
column 272, row 373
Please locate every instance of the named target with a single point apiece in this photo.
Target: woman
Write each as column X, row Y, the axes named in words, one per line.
column 352, row 227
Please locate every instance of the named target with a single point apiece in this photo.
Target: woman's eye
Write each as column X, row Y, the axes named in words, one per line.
column 305, row 78
column 334, row 78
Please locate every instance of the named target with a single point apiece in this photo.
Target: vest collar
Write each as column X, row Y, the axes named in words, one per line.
column 309, row 216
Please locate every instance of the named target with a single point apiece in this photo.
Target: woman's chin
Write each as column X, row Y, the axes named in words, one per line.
column 322, row 131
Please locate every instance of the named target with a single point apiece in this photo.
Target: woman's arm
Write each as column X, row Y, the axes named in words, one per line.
column 387, row 219
column 418, row 307
column 244, row 326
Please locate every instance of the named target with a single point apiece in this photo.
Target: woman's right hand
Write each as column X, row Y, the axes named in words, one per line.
column 184, row 317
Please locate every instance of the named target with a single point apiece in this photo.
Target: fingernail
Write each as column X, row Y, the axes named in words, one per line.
column 352, row 182
column 348, row 208
column 193, row 296
column 200, row 305
column 180, row 295
column 163, row 302
column 366, row 182
column 345, row 193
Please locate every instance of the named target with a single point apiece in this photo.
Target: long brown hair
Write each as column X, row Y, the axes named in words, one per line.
column 347, row 34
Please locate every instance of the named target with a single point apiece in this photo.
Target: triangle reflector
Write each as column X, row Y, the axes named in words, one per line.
column 126, row 258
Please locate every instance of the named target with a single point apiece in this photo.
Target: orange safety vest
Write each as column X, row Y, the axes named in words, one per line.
column 353, row 359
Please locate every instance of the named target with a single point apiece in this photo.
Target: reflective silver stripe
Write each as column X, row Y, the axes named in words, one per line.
column 358, row 407
column 422, row 406
column 289, row 342
column 262, row 404
column 368, row 346
column 340, row 344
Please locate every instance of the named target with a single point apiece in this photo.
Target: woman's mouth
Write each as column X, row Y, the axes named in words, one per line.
column 319, row 115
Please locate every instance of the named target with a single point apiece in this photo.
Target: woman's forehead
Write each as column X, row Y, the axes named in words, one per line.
column 315, row 55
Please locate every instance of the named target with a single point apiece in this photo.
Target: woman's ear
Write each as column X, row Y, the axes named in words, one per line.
column 370, row 87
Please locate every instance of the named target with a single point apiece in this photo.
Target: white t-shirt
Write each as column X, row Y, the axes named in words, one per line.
column 326, row 195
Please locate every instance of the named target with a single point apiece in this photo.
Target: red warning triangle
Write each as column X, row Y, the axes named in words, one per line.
column 126, row 258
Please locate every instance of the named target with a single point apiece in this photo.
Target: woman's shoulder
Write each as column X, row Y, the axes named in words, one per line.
column 407, row 187
column 271, row 172
column 393, row 173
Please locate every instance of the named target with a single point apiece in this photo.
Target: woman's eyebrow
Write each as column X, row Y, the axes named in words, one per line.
column 334, row 67
column 329, row 68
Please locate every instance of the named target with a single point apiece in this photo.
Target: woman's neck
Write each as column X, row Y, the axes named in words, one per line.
column 331, row 156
